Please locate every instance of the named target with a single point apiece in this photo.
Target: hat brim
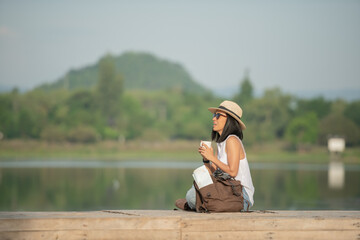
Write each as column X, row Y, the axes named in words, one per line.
column 214, row 109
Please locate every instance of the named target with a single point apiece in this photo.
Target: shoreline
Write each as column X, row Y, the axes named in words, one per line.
column 179, row 150
column 93, row 164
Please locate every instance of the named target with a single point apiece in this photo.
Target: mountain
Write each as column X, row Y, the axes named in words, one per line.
column 140, row 71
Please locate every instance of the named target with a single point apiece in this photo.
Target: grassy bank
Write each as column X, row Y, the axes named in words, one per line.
column 105, row 150
column 160, row 151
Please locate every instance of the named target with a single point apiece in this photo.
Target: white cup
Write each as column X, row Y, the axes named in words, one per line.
column 207, row 143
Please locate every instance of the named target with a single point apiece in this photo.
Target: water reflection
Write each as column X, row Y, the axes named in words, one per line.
column 96, row 186
column 336, row 175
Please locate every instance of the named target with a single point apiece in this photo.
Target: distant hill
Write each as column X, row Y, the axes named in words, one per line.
column 140, row 71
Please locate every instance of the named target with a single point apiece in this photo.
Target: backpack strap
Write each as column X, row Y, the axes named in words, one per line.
column 200, row 206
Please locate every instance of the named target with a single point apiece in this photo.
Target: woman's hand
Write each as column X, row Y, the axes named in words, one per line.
column 206, row 152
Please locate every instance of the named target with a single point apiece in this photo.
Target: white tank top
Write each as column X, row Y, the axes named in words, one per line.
column 243, row 175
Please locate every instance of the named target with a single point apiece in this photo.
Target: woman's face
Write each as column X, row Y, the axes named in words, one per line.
column 219, row 120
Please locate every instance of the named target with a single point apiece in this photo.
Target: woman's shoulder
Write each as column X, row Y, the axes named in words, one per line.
column 234, row 142
column 233, row 139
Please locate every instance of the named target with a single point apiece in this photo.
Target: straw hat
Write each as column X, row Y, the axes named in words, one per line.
column 232, row 109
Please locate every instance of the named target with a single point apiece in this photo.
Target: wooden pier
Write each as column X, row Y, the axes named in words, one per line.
column 153, row 224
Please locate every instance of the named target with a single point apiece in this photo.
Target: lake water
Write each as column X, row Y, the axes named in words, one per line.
column 98, row 185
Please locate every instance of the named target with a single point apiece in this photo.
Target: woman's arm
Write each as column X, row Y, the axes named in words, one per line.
column 210, row 165
column 213, row 165
column 234, row 153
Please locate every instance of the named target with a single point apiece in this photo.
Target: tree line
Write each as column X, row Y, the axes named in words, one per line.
column 109, row 111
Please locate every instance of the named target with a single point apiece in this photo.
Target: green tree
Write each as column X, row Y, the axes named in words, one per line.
column 82, row 133
column 338, row 125
column 80, row 109
column 33, row 112
column 338, row 107
column 267, row 117
column 317, row 105
column 246, row 91
column 134, row 119
column 53, row 133
column 303, row 130
column 9, row 111
column 109, row 89
column 352, row 111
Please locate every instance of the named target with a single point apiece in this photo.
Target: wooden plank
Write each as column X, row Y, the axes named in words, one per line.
column 145, row 224
column 84, row 224
column 47, row 221
column 92, row 234
column 279, row 220
column 281, row 235
column 233, row 224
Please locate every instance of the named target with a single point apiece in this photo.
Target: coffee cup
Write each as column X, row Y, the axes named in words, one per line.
column 207, row 143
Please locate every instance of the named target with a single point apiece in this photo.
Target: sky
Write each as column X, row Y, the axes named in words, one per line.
column 298, row 46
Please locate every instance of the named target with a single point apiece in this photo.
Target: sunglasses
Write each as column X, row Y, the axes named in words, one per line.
column 217, row 115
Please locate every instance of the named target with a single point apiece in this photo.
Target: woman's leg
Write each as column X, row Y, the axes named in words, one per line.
column 191, row 197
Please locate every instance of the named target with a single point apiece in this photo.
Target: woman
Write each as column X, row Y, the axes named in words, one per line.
column 230, row 156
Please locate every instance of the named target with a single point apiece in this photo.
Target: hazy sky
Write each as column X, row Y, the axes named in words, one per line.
column 294, row 45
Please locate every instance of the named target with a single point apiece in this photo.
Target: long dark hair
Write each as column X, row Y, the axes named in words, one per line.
column 232, row 127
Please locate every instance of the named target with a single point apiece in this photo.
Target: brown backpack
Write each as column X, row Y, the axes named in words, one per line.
column 220, row 196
